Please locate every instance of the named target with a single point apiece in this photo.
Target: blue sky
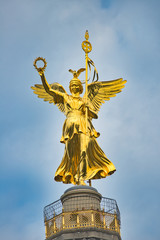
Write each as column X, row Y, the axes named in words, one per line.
column 125, row 39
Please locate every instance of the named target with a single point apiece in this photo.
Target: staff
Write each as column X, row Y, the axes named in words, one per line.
column 87, row 47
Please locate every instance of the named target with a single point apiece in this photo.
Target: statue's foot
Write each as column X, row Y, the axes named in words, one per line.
column 81, row 182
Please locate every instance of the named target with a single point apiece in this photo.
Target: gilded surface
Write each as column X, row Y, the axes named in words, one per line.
column 83, row 158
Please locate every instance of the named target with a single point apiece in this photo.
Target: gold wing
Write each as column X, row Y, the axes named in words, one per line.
column 40, row 91
column 99, row 92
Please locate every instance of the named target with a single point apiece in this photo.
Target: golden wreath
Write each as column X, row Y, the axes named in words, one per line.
column 40, row 59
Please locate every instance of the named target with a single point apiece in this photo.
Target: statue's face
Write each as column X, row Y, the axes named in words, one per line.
column 75, row 88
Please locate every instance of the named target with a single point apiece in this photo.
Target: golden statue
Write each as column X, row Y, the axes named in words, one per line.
column 83, row 158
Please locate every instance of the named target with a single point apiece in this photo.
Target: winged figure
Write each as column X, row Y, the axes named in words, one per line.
column 83, row 158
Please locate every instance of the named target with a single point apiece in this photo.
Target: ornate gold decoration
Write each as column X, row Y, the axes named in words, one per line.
column 76, row 73
column 83, row 158
column 86, row 45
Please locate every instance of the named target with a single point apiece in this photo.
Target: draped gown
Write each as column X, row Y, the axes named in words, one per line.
column 83, row 158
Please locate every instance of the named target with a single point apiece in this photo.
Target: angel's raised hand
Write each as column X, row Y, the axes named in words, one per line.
column 40, row 71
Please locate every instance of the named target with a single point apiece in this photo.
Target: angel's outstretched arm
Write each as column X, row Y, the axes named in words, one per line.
column 57, row 95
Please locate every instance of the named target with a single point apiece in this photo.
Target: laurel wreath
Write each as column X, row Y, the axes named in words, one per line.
column 40, row 59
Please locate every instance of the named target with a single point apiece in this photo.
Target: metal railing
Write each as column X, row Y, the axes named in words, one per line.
column 107, row 217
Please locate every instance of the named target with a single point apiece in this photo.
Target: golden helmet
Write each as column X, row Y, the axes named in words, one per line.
column 75, row 79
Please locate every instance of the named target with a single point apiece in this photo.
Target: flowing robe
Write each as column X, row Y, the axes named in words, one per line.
column 83, row 158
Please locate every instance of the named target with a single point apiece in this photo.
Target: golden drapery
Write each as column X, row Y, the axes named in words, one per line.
column 83, row 158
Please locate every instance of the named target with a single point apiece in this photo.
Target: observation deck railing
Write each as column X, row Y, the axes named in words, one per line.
column 107, row 217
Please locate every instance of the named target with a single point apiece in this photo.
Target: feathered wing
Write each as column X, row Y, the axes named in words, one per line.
column 99, row 92
column 40, row 91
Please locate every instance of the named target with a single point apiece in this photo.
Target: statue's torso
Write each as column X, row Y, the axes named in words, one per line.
column 74, row 106
column 75, row 122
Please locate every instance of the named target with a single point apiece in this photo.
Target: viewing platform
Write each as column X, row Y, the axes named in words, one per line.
column 82, row 209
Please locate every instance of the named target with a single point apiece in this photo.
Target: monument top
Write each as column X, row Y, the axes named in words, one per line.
column 83, row 159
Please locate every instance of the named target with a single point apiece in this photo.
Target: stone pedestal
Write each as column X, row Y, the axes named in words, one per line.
column 81, row 198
